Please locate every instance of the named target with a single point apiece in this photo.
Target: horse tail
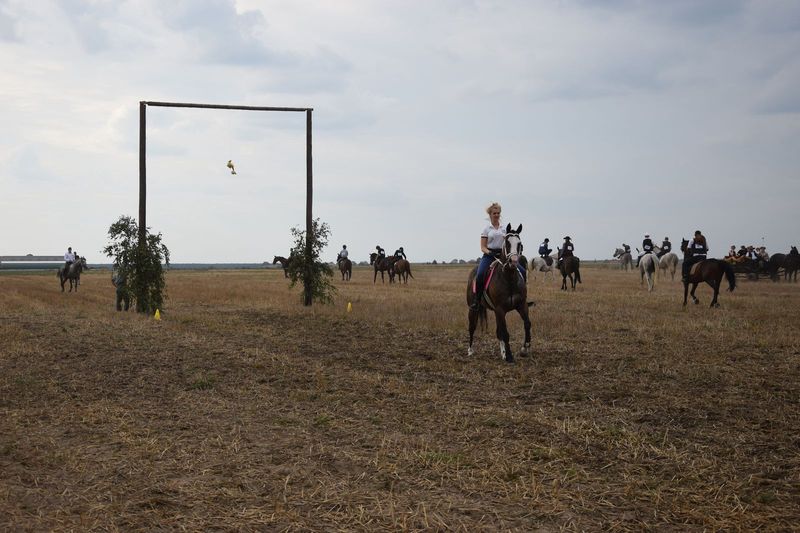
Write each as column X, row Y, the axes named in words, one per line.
column 408, row 269
column 482, row 316
column 578, row 270
column 730, row 274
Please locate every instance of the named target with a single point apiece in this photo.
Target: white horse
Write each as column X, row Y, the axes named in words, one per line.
column 625, row 259
column 647, row 267
column 538, row 264
column 668, row 262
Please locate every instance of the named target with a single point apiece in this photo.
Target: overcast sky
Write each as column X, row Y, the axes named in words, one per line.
column 600, row 120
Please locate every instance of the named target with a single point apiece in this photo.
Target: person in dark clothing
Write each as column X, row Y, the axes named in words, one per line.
column 120, row 281
column 567, row 250
column 544, row 249
column 381, row 252
column 698, row 250
column 666, row 247
column 400, row 253
column 647, row 248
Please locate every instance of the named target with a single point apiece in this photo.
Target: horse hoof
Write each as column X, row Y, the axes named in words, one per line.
column 470, row 352
column 509, row 359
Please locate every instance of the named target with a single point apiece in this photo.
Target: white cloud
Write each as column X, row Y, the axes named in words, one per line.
column 601, row 120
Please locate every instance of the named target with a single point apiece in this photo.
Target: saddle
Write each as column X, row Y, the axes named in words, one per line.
column 492, row 269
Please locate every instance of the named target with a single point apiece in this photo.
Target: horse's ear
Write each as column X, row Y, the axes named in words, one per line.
column 508, row 228
column 519, row 229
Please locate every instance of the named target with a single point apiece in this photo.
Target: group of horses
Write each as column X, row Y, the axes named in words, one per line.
column 650, row 265
column 391, row 265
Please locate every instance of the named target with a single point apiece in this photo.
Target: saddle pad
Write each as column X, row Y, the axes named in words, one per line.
column 694, row 268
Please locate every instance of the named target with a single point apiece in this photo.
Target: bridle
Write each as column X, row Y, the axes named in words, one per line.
column 507, row 255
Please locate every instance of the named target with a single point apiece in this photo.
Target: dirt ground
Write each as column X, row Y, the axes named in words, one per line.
column 243, row 410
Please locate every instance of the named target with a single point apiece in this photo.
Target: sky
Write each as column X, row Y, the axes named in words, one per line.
column 601, row 120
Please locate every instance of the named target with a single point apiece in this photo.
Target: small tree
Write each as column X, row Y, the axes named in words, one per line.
column 142, row 266
column 316, row 276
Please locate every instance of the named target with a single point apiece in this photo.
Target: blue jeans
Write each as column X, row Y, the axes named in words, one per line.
column 483, row 266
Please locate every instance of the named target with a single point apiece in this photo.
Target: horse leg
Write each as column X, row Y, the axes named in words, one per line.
column 526, row 322
column 685, row 292
column 473, row 322
column 502, row 336
column 572, row 279
column 715, row 286
column 694, row 298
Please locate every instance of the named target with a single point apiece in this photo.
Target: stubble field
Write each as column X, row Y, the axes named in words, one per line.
column 243, row 410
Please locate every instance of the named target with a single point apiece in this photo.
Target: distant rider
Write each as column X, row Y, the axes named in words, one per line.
column 342, row 255
column 399, row 253
column 567, row 250
column 698, row 249
column 647, row 248
column 666, row 247
column 69, row 258
column 544, row 249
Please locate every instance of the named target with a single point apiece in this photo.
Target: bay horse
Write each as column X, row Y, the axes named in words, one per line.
column 505, row 292
column 709, row 270
column 647, row 268
column 570, row 267
column 385, row 264
column 625, row 259
column 73, row 274
column 284, row 263
column 667, row 262
column 402, row 268
column 346, row 268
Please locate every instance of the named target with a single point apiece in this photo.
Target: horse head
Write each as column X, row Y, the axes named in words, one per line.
column 684, row 245
column 512, row 246
column 794, row 251
column 618, row 252
column 372, row 257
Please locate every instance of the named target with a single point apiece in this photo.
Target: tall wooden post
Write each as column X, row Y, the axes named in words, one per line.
column 142, row 197
column 142, row 172
column 308, row 297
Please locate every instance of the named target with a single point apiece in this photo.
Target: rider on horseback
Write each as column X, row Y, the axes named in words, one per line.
column 399, row 253
column 342, row 255
column 381, row 252
column 666, row 247
column 492, row 238
column 567, row 250
column 544, row 249
column 647, row 248
column 69, row 258
column 697, row 251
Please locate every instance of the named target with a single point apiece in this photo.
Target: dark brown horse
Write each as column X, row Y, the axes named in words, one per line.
column 284, row 263
column 402, row 268
column 709, row 270
column 570, row 267
column 506, row 292
column 346, row 268
column 383, row 264
column 73, row 274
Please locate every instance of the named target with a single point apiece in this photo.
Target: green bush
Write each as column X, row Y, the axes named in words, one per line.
column 143, row 267
column 316, row 276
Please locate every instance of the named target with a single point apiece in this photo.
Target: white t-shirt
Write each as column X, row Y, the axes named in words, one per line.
column 494, row 236
column 343, row 254
column 69, row 256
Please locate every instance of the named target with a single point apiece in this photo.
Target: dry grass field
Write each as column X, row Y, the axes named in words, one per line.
column 242, row 410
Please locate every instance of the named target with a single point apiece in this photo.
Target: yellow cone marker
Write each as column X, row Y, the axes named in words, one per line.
column 157, row 315
column 349, row 307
